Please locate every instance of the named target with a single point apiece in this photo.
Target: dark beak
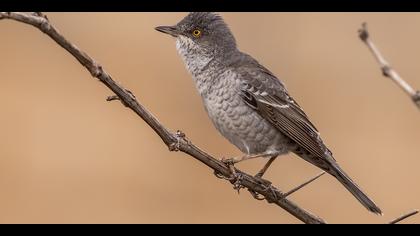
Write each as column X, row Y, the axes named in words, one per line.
column 171, row 30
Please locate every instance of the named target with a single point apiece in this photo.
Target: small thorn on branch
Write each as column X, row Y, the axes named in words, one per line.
column 112, row 98
column 403, row 217
column 303, row 185
column 115, row 97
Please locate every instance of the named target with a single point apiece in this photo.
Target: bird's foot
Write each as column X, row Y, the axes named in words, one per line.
column 235, row 177
column 237, row 185
column 230, row 162
column 268, row 188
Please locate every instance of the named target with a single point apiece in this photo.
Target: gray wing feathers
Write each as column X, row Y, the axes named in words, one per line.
column 263, row 92
column 266, row 94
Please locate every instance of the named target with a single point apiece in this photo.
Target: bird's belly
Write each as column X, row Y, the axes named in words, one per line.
column 243, row 126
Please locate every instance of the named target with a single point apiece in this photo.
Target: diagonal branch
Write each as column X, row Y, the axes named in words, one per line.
column 387, row 70
column 175, row 142
column 405, row 216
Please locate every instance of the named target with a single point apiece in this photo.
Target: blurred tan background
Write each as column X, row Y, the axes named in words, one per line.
column 68, row 156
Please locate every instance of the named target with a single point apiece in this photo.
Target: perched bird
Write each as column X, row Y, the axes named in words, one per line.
column 247, row 104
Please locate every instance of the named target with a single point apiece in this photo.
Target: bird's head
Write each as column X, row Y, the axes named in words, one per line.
column 202, row 31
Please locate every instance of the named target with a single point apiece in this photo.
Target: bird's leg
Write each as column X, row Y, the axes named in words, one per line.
column 234, row 160
column 266, row 166
column 231, row 161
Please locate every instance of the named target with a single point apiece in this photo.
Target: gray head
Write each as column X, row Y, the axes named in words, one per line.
column 202, row 31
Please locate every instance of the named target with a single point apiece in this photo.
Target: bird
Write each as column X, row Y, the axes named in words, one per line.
column 247, row 103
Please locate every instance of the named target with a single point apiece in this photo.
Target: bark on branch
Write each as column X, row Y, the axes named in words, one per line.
column 175, row 142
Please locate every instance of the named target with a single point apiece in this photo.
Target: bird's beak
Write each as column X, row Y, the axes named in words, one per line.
column 171, row 30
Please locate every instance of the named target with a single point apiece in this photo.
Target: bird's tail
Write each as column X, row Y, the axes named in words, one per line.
column 354, row 189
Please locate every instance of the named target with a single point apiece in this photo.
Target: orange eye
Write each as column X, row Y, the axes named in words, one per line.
column 196, row 33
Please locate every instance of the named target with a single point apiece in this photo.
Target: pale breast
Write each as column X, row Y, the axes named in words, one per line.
column 238, row 122
column 219, row 88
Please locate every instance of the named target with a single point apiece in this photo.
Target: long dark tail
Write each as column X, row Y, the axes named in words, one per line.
column 354, row 189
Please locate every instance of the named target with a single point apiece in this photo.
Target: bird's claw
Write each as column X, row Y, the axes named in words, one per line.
column 268, row 187
column 260, row 197
column 228, row 161
column 221, row 176
column 237, row 185
column 218, row 174
column 235, row 177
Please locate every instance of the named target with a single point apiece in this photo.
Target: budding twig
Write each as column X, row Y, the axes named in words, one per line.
column 387, row 70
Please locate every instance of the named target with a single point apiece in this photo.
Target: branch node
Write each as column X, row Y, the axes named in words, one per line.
column 416, row 98
column 363, row 32
column 4, row 15
column 179, row 136
column 386, row 70
column 45, row 25
column 97, row 72
column 173, row 147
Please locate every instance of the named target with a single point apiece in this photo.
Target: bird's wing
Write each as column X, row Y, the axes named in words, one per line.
column 267, row 95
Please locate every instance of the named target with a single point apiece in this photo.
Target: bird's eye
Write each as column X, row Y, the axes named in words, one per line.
column 196, row 33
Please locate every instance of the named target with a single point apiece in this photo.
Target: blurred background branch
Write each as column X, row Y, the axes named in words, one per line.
column 387, row 70
column 403, row 217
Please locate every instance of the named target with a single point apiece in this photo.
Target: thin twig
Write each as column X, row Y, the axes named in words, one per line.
column 403, row 217
column 387, row 70
column 304, row 184
column 175, row 142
